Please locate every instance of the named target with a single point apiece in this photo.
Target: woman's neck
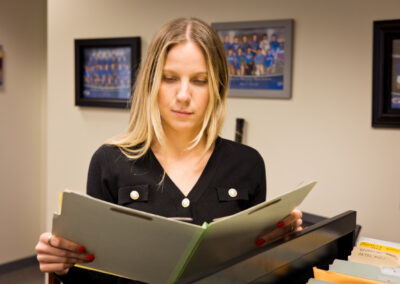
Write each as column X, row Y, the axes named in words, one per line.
column 177, row 145
column 182, row 165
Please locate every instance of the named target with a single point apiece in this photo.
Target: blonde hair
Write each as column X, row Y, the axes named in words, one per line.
column 145, row 125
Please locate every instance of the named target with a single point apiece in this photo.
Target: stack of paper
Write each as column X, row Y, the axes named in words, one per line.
column 371, row 261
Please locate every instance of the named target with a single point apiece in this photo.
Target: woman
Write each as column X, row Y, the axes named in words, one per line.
column 170, row 161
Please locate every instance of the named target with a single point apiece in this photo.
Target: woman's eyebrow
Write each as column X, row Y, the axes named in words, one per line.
column 169, row 71
column 199, row 74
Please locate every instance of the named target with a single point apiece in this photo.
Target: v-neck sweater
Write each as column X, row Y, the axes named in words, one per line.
column 233, row 180
column 112, row 177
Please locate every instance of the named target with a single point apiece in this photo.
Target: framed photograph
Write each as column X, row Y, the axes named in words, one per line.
column 386, row 74
column 105, row 71
column 1, row 66
column 259, row 55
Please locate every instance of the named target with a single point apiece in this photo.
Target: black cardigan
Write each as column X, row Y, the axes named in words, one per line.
column 112, row 177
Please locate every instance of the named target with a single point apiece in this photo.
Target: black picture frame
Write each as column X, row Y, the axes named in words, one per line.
column 105, row 71
column 261, row 79
column 386, row 74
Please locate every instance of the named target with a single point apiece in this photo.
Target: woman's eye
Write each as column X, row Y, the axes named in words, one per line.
column 169, row 79
column 200, row 81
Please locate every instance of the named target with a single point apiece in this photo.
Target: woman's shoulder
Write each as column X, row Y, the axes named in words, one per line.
column 107, row 154
column 107, row 150
column 111, row 153
column 237, row 150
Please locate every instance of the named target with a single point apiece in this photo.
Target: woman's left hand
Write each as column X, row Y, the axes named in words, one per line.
column 291, row 223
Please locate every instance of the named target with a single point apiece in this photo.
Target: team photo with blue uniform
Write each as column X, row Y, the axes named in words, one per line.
column 255, row 57
column 396, row 75
column 107, row 73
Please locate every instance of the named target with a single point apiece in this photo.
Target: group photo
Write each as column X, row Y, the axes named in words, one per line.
column 107, row 73
column 255, row 57
column 396, row 75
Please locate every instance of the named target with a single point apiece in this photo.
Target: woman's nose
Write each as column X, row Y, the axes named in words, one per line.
column 183, row 91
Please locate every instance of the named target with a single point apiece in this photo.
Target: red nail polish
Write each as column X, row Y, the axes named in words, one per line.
column 280, row 224
column 90, row 257
column 81, row 249
column 259, row 242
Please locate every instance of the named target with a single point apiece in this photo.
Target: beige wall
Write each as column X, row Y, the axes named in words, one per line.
column 322, row 133
column 22, row 127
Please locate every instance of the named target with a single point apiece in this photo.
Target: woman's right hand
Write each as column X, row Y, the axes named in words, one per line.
column 56, row 254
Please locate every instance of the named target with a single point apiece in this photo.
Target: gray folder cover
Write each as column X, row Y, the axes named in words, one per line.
column 154, row 249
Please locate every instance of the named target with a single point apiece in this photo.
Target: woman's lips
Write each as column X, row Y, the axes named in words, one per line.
column 182, row 113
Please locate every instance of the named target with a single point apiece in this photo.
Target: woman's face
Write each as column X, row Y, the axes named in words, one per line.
column 183, row 95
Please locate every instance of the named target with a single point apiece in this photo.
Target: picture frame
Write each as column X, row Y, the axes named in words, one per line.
column 105, row 71
column 268, row 73
column 386, row 74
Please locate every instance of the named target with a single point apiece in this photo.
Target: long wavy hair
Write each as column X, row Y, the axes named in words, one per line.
column 145, row 124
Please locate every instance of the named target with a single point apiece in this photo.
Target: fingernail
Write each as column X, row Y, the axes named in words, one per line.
column 81, row 249
column 280, row 224
column 259, row 242
column 90, row 257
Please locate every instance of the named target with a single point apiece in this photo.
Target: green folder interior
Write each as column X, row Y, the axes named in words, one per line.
column 234, row 236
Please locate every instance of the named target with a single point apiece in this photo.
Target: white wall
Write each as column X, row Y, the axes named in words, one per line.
column 322, row 133
column 22, row 127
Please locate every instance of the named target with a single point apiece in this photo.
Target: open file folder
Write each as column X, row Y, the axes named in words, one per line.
column 154, row 249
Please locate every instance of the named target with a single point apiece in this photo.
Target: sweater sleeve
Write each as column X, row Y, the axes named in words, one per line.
column 260, row 182
column 100, row 176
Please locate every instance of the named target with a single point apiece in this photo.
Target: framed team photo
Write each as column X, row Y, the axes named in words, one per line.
column 386, row 74
column 259, row 55
column 105, row 71
column 1, row 66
